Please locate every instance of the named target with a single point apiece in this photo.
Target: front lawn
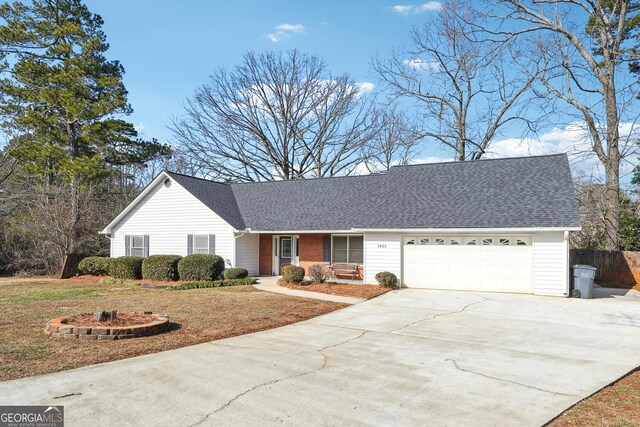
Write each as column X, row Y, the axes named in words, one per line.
column 203, row 315
column 616, row 405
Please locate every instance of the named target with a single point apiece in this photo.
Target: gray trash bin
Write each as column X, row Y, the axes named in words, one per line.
column 583, row 277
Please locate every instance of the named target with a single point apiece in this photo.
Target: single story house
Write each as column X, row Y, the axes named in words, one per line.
column 487, row 225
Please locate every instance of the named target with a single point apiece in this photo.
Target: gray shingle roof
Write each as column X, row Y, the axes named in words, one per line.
column 498, row 193
column 215, row 195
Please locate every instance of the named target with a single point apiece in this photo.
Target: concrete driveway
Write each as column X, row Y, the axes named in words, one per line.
column 407, row 358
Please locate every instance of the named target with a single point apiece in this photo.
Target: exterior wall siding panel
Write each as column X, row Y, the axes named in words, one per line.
column 550, row 264
column 167, row 215
column 247, row 253
column 382, row 253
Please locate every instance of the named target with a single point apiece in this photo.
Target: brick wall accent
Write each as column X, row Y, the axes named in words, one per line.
column 311, row 252
column 266, row 259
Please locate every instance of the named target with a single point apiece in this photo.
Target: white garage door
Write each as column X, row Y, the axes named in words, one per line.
column 473, row 263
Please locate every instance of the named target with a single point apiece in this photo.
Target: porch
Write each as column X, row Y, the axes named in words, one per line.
column 305, row 250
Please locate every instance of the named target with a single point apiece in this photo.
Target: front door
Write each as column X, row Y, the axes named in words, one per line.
column 285, row 251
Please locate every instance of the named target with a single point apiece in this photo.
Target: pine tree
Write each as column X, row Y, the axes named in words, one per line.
column 62, row 99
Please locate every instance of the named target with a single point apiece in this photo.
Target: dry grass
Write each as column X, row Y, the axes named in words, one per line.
column 343, row 289
column 203, row 315
column 616, row 405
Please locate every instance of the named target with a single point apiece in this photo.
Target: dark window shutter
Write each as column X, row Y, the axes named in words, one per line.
column 189, row 244
column 327, row 248
column 146, row 245
column 212, row 244
column 127, row 245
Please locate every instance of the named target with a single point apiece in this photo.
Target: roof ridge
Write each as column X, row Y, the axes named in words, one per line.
column 310, row 179
column 449, row 162
column 197, row 177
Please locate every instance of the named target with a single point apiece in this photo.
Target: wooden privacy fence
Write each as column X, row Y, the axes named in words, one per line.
column 615, row 267
column 70, row 266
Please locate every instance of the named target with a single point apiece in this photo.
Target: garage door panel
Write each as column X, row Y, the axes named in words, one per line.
column 494, row 267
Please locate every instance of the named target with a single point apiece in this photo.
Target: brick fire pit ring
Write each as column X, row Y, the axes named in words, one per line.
column 66, row 327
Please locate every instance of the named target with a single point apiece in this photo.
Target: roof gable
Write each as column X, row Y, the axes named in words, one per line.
column 525, row 192
column 215, row 195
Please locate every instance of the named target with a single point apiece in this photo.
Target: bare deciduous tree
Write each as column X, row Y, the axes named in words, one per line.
column 396, row 142
column 590, row 197
column 54, row 221
column 276, row 116
column 461, row 84
column 585, row 44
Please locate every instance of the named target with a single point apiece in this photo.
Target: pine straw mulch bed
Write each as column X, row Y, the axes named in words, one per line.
column 616, row 405
column 122, row 319
column 342, row 289
column 202, row 314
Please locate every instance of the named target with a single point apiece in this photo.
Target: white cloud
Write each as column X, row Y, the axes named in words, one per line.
column 365, row 87
column 574, row 140
column 139, row 127
column 284, row 32
column 428, row 7
column 403, row 9
column 406, row 9
column 294, row 28
column 422, row 64
column 430, row 159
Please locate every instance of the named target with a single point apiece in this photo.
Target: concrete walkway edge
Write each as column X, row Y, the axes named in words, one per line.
column 270, row 284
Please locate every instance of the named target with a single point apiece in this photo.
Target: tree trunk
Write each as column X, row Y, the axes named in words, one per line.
column 612, row 213
column 612, row 165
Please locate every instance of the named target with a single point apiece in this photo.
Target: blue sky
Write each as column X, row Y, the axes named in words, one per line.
column 169, row 48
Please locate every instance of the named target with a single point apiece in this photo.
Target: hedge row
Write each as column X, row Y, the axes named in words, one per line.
column 197, row 267
column 201, row 267
column 126, row 267
column 95, row 265
column 161, row 267
column 213, row 284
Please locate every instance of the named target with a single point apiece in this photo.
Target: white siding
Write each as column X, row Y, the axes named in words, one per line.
column 550, row 263
column 381, row 253
column 247, row 253
column 168, row 215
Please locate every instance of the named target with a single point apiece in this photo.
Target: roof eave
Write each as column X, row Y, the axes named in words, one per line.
column 468, row 229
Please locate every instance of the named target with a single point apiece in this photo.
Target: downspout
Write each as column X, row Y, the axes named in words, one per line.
column 108, row 235
column 568, row 267
column 236, row 236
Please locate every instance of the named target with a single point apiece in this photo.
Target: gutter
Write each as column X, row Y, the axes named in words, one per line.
column 464, row 230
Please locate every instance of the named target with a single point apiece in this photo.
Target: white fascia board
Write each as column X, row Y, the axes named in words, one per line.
column 465, row 230
column 125, row 211
column 297, row 231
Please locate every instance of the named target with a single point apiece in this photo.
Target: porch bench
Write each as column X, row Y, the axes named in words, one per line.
column 344, row 268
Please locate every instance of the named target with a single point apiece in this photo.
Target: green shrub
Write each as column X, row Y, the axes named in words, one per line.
column 95, row 265
column 235, row 273
column 213, row 284
column 292, row 274
column 319, row 273
column 161, row 267
column 200, row 267
column 126, row 267
column 387, row 280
